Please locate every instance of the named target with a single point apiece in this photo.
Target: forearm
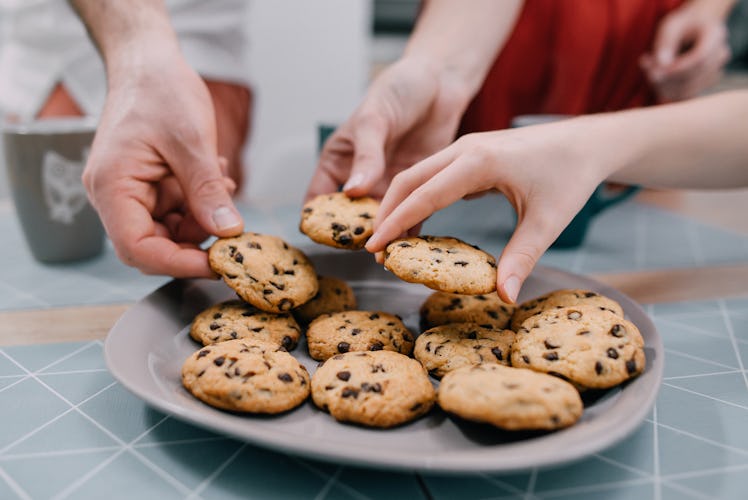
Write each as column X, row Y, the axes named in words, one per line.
column 463, row 38
column 129, row 34
column 697, row 144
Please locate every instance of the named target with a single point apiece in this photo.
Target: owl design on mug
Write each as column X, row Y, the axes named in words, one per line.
column 61, row 184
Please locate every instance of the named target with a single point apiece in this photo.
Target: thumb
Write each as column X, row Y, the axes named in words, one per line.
column 369, row 135
column 532, row 236
column 208, row 194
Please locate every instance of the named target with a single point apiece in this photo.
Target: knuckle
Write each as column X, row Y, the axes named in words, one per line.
column 204, row 186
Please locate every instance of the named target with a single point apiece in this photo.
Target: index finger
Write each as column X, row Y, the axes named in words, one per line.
column 139, row 243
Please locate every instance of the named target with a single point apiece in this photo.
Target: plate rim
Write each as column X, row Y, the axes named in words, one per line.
column 465, row 461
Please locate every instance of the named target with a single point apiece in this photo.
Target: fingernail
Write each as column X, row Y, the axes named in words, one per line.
column 355, row 181
column 226, row 218
column 511, row 288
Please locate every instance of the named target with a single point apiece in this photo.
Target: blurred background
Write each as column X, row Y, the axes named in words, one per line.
column 309, row 68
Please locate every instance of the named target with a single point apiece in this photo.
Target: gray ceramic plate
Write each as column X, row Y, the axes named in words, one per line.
column 147, row 346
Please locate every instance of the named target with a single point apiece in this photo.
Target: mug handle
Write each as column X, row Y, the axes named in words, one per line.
column 599, row 201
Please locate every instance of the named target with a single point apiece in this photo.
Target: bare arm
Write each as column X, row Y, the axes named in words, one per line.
column 697, row 144
column 414, row 107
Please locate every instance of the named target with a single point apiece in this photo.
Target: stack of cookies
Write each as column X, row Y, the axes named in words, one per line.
column 515, row 367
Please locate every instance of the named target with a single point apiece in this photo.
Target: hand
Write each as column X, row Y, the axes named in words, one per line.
column 689, row 51
column 153, row 173
column 546, row 181
column 410, row 111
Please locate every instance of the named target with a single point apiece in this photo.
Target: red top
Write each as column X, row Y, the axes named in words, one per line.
column 570, row 57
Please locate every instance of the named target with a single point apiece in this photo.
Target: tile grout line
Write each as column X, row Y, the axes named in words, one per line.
column 126, row 447
column 701, row 375
column 60, row 453
column 324, row 475
column 206, row 482
column 723, row 446
column 696, row 358
column 621, row 465
column 706, row 396
column 731, row 332
column 14, row 486
column 329, row 484
column 83, row 479
column 51, row 421
column 698, row 331
column 512, row 489
column 82, row 348
column 591, row 488
column 530, row 491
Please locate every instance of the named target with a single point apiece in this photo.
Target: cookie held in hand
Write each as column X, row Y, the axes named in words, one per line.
column 265, row 271
column 339, row 221
column 442, row 263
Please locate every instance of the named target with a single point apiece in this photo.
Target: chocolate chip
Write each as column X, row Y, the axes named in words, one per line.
column 497, row 352
column 307, row 210
column 416, row 407
column 214, row 326
column 365, row 215
column 472, row 335
column 590, row 294
column 461, row 263
column 612, row 353
column 407, row 337
column 287, row 342
column 217, row 315
column 574, row 315
column 491, row 263
column 583, row 332
column 336, row 226
column 290, row 272
column 631, row 366
column 344, row 347
column 279, row 286
column 598, row 367
column 344, row 375
column 267, row 291
column 493, row 314
column 376, row 346
column 285, row 304
column 438, row 348
column 550, row 345
column 276, row 271
column 358, row 230
column 436, row 249
column 551, row 356
column 355, row 331
column 618, row 331
column 239, row 257
column 404, row 244
column 200, row 374
column 377, row 368
column 428, row 346
column 254, row 245
column 257, row 329
column 285, row 377
column 526, row 359
column 344, row 239
column 349, row 392
column 219, row 360
column 376, row 387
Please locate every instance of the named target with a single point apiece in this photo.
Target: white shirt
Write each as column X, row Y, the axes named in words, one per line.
column 44, row 43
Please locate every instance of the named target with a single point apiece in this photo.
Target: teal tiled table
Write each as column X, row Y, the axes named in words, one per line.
column 69, row 430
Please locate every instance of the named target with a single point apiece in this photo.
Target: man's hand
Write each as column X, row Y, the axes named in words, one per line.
column 154, row 174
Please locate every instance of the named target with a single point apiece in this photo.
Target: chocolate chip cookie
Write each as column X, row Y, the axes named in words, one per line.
column 441, row 308
column 334, row 295
column 235, row 319
column 265, row 271
column 448, row 347
column 587, row 345
column 341, row 332
column 339, row 221
column 377, row 389
column 246, row 376
column 442, row 263
column 510, row 398
column 562, row 298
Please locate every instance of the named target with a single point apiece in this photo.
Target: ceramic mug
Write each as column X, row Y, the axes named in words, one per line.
column 44, row 160
column 602, row 198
